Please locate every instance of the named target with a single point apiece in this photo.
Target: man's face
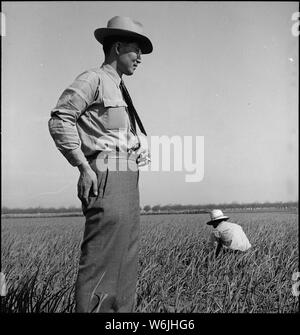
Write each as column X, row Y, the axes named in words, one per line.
column 129, row 58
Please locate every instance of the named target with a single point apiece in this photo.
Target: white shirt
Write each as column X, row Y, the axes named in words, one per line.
column 231, row 235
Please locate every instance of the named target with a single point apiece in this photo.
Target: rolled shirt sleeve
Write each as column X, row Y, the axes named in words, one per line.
column 71, row 104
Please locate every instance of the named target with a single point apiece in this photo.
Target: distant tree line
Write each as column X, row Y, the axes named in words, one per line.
column 36, row 210
column 161, row 208
column 234, row 205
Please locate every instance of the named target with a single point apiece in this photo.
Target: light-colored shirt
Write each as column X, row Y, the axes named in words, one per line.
column 231, row 235
column 91, row 116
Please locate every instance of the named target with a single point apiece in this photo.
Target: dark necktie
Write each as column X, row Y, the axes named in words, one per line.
column 133, row 115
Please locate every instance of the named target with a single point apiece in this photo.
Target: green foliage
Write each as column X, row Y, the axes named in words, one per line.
column 177, row 270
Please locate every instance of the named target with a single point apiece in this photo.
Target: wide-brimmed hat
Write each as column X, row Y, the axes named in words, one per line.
column 216, row 215
column 120, row 26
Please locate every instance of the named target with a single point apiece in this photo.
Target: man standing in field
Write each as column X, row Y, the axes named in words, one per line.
column 94, row 126
column 227, row 235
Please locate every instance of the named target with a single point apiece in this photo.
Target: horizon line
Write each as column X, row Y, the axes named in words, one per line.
column 163, row 205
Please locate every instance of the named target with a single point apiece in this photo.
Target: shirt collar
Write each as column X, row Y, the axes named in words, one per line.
column 112, row 73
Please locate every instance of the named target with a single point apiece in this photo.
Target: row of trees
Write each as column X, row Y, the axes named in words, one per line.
column 36, row 210
column 159, row 208
column 234, row 205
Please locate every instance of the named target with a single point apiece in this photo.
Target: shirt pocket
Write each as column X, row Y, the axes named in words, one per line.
column 116, row 114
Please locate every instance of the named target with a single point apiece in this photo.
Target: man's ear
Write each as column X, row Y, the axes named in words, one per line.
column 117, row 48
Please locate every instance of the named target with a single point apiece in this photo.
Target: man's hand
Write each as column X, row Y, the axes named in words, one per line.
column 219, row 247
column 87, row 181
column 143, row 158
column 143, row 151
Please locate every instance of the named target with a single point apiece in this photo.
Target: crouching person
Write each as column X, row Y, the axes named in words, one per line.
column 226, row 235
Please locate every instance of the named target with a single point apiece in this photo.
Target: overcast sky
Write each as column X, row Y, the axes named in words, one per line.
column 226, row 71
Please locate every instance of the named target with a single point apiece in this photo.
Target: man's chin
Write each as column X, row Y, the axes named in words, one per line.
column 130, row 72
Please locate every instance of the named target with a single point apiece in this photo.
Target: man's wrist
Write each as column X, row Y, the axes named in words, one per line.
column 75, row 157
column 83, row 166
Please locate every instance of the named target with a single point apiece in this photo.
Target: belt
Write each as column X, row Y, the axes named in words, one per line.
column 130, row 155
